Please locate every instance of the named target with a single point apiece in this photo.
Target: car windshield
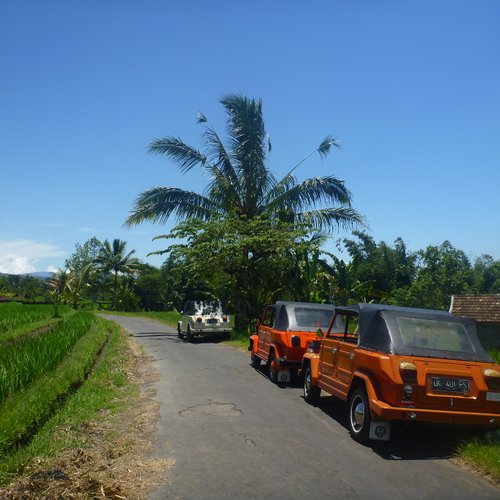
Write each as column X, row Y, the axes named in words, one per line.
column 307, row 317
column 437, row 335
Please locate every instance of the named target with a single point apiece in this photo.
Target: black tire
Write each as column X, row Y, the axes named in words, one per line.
column 189, row 335
column 179, row 332
column 273, row 373
column 311, row 392
column 359, row 416
column 294, row 376
column 254, row 361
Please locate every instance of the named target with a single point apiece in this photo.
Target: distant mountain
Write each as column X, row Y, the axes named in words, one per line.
column 41, row 275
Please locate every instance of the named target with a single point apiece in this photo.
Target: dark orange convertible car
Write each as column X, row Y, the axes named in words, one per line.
column 282, row 334
column 403, row 364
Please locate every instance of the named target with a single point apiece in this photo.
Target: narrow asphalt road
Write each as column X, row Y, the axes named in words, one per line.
column 233, row 434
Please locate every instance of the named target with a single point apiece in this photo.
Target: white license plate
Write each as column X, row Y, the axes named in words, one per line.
column 493, row 396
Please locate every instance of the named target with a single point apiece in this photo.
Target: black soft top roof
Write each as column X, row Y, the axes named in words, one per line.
column 285, row 314
column 379, row 330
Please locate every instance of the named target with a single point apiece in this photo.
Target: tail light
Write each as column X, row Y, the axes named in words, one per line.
column 492, row 379
column 199, row 320
column 408, row 372
column 313, row 346
column 224, row 318
column 295, row 341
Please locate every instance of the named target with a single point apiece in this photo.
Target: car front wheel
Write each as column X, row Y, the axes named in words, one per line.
column 179, row 332
column 189, row 335
column 311, row 392
column 359, row 418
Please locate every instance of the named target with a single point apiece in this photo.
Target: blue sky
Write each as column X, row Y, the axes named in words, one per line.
column 411, row 89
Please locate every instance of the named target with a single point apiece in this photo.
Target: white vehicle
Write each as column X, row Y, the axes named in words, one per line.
column 203, row 318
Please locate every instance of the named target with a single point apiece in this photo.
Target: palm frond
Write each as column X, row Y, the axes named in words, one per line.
column 280, row 188
column 218, row 156
column 326, row 145
column 247, row 139
column 311, row 193
column 157, row 204
column 222, row 191
column 327, row 219
column 200, row 117
column 323, row 149
column 174, row 148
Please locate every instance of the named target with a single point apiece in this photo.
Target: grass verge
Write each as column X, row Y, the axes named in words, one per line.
column 483, row 454
column 169, row 318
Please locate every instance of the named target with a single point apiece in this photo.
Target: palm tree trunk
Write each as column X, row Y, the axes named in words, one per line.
column 115, row 286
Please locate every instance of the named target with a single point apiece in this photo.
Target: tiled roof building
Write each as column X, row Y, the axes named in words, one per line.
column 485, row 309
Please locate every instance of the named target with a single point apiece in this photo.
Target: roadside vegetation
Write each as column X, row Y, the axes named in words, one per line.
column 42, row 372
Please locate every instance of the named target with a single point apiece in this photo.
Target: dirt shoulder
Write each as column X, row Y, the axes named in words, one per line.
column 116, row 461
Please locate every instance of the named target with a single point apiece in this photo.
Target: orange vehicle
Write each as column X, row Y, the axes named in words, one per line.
column 403, row 364
column 282, row 334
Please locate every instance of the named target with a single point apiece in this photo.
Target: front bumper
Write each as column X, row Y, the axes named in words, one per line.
column 383, row 411
column 289, row 363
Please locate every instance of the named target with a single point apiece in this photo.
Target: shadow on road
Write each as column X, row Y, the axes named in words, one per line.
column 165, row 335
column 408, row 441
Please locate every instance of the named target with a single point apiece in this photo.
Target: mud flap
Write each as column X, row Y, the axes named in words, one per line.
column 380, row 430
column 284, row 376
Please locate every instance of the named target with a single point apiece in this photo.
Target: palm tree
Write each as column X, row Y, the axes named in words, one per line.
column 58, row 285
column 240, row 183
column 112, row 258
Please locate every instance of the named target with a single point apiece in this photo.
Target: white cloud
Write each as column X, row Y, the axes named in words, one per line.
column 15, row 264
column 20, row 256
column 52, row 269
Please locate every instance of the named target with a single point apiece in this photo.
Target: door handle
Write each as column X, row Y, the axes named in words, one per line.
column 351, row 355
column 334, row 350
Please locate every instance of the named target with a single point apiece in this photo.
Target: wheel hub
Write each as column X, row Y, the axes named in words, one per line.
column 358, row 414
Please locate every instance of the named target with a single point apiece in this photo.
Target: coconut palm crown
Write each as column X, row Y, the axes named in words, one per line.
column 240, row 182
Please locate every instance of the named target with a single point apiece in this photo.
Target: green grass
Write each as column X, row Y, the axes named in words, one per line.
column 169, row 318
column 25, row 358
column 239, row 340
column 16, row 317
column 23, row 412
column 495, row 355
column 106, row 388
column 483, row 453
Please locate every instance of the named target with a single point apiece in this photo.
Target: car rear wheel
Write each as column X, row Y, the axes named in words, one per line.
column 189, row 335
column 311, row 392
column 359, row 418
column 273, row 372
column 254, row 361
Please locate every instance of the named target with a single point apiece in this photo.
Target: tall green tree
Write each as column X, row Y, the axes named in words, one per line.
column 385, row 267
column 58, row 287
column 240, row 183
column 242, row 186
column 96, row 284
column 114, row 258
column 245, row 265
column 486, row 275
column 441, row 271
